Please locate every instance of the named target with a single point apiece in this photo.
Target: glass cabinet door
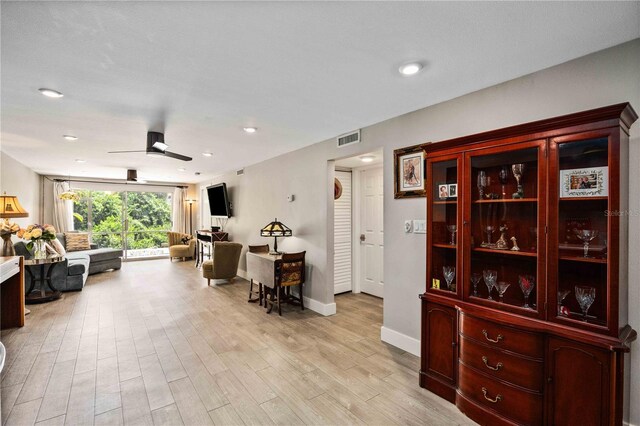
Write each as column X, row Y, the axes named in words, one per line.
column 582, row 190
column 504, row 228
column 444, row 222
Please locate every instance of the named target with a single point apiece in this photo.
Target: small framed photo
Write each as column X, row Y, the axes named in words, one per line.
column 587, row 182
column 443, row 191
column 409, row 173
column 453, row 190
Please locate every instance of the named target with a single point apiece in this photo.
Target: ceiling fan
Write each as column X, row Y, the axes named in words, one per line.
column 156, row 146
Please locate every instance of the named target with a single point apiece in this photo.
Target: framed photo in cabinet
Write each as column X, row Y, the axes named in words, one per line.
column 587, row 182
column 409, row 173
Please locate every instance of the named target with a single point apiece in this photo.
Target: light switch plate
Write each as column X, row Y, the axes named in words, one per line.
column 420, row 226
column 408, row 226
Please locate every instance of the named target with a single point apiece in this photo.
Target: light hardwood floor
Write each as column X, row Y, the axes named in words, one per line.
column 152, row 344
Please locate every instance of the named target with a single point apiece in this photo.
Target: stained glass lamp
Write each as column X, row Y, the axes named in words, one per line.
column 10, row 207
column 275, row 229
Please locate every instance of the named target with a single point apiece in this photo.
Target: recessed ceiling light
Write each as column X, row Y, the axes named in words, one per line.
column 80, row 160
column 70, row 137
column 250, row 129
column 182, row 169
column 410, row 69
column 51, row 93
column 207, row 154
column 367, row 158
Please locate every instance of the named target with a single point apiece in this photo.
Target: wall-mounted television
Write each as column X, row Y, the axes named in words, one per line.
column 219, row 204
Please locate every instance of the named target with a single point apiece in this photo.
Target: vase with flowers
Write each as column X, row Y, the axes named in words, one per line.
column 7, row 229
column 37, row 235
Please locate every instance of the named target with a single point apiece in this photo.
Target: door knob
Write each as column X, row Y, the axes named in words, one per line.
column 362, row 238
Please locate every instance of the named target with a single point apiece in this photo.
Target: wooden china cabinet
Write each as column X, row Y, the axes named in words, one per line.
column 524, row 318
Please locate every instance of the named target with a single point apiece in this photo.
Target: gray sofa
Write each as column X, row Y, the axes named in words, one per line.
column 73, row 272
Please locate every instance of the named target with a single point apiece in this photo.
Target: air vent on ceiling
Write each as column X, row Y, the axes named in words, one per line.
column 348, row 138
column 239, row 172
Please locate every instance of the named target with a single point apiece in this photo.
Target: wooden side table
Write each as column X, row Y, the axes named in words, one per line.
column 207, row 238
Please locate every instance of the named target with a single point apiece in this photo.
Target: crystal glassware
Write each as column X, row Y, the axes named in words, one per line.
column 490, row 276
column 502, row 288
column 527, row 283
column 518, row 171
column 585, row 297
column 489, row 229
column 475, row 280
column 452, row 229
column 586, row 236
column 503, row 176
column 562, row 294
column 449, row 273
column 483, row 182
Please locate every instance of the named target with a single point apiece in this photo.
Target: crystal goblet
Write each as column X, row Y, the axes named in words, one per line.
column 452, row 230
column 502, row 288
column 518, row 171
column 503, row 177
column 527, row 283
column 475, row 280
column 489, row 229
column 483, row 182
column 585, row 297
column 449, row 273
column 562, row 294
column 586, row 236
column 490, row 276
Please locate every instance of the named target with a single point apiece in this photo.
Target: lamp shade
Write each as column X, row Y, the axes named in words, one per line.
column 10, row 207
column 276, row 229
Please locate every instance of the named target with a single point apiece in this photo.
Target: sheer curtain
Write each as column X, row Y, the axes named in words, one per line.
column 62, row 209
column 180, row 215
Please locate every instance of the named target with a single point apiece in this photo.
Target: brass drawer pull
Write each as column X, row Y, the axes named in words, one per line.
column 495, row 400
column 486, row 363
column 497, row 339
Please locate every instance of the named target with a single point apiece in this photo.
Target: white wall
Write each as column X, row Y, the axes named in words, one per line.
column 19, row 180
column 600, row 79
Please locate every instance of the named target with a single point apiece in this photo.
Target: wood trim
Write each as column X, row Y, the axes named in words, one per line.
column 621, row 113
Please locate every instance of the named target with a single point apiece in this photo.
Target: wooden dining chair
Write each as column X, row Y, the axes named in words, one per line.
column 290, row 272
column 257, row 249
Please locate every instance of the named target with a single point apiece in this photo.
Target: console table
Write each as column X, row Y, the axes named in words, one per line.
column 206, row 238
column 11, row 292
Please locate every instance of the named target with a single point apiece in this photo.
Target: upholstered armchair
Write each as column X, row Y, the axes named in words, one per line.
column 181, row 245
column 224, row 262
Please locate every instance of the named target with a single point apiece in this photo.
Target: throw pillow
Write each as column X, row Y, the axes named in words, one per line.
column 185, row 240
column 59, row 248
column 77, row 241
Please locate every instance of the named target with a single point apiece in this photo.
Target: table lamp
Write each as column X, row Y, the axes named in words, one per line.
column 9, row 208
column 275, row 229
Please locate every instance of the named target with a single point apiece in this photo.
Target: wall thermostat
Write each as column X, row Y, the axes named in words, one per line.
column 290, row 198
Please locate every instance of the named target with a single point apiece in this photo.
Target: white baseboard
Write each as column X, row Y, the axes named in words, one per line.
column 400, row 340
column 325, row 309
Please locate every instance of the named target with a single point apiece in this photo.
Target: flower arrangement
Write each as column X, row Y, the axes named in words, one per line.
column 36, row 235
column 7, row 229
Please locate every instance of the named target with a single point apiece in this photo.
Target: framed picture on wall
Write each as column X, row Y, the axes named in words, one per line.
column 409, row 178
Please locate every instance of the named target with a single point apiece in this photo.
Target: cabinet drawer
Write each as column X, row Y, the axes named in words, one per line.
column 520, row 406
column 502, row 337
column 504, row 366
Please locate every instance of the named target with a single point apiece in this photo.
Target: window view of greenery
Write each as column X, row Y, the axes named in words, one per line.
column 148, row 216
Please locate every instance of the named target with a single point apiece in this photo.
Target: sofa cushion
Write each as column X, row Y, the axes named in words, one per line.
column 77, row 241
column 101, row 254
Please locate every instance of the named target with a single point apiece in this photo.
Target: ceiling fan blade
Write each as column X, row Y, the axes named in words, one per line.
column 177, row 156
column 123, row 152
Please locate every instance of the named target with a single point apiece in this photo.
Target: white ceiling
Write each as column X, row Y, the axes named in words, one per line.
column 301, row 72
column 356, row 161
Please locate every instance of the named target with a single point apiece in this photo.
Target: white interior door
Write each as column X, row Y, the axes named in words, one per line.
column 342, row 236
column 371, row 232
